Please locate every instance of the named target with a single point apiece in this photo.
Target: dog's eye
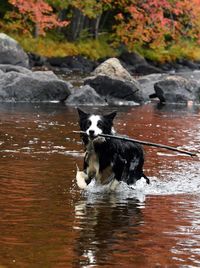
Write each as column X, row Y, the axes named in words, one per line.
column 88, row 124
column 100, row 124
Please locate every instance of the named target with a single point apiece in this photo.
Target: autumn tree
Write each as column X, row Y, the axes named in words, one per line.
column 155, row 23
column 35, row 16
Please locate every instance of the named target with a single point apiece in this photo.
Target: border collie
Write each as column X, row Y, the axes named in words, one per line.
column 108, row 161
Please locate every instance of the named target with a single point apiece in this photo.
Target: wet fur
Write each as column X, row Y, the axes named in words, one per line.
column 109, row 161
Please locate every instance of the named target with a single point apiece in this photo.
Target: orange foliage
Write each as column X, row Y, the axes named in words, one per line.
column 38, row 12
column 153, row 23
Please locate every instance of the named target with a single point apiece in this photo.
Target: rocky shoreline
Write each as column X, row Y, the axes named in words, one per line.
column 128, row 80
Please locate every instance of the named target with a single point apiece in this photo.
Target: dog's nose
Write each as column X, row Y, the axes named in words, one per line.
column 91, row 132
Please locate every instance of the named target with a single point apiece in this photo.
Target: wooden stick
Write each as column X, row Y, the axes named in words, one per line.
column 143, row 143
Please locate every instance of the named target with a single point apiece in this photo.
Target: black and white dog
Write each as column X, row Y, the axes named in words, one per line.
column 107, row 160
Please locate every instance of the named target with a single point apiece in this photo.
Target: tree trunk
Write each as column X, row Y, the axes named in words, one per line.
column 74, row 29
column 80, row 22
column 97, row 26
column 36, row 30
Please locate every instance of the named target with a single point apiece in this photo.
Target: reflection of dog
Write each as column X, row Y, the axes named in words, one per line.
column 109, row 161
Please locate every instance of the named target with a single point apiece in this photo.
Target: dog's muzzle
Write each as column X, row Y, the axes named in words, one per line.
column 92, row 134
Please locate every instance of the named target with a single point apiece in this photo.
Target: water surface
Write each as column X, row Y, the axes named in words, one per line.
column 46, row 221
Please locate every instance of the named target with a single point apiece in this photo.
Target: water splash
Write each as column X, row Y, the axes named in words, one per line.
column 183, row 182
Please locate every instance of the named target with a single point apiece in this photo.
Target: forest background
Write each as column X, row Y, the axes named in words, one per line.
column 160, row 30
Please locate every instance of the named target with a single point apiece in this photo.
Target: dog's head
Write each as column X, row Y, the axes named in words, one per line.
column 94, row 125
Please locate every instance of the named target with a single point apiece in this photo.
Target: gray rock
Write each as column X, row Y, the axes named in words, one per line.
column 9, row 68
column 132, row 58
column 85, row 95
column 36, row 60
column 112, row 88
column 112, row 68
column 137, row 64
column 190, row 64
column 176, row 89
column 113, row 81
column 11, row 52
column 145, row 69
column 191, row 75
column 22, row 86
column 147, row 84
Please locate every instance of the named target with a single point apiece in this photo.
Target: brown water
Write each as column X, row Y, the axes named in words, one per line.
column 46, row 221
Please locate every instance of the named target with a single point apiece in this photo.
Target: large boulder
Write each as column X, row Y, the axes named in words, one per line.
column 145, row 69
column 85, row 95
column 11, row 52
column 112, row 81
column 177, row 89
column 20, row 84
column 113, row 68
column 137, row 64
column 132, row 58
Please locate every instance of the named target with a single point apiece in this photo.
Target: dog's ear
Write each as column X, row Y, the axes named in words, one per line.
column 81, row 113
column 111, row 116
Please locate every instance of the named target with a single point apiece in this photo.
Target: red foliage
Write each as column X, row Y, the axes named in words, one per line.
column 39, row 13
column 154, row 22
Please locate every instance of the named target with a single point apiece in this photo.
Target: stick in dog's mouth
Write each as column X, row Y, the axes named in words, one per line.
column 145, row 143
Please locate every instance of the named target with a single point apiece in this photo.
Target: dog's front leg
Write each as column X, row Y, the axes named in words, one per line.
column 82, row 178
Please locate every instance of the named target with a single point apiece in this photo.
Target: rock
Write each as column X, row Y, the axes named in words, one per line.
column 113, row 68
column 147, row 84
column 132, row 58
column 75, row 63
column 8, row 68
column 85, row 95
column 11, row 52
column 176, row 89
column 137, row 64
column 188, row 63
column 167, row 67
column 114, row 82
column 191, row 75
column 111, row 88
column 179, row 68
column 14, row 68
column 26, row 86
column 36, row 60
column 145, row 69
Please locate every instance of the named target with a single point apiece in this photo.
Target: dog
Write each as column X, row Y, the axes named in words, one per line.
column 107, row 160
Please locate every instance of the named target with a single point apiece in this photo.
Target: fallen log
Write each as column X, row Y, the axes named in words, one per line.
column 144, row 143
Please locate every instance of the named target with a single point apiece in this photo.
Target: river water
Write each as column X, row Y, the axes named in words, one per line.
column 46, row 221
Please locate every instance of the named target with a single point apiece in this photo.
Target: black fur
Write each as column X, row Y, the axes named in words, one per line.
column 126, row 158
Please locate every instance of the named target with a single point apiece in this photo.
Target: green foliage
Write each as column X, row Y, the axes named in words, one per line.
column 55, row 45
column 183, row 49
column 52, row 46
column 95, row 49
